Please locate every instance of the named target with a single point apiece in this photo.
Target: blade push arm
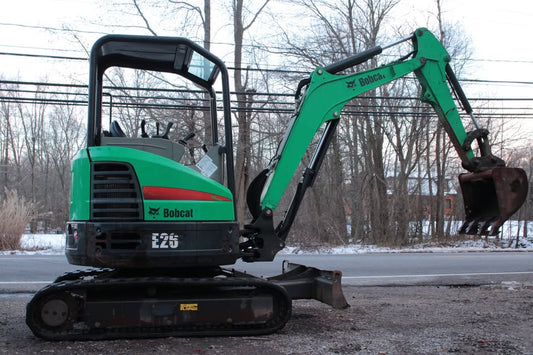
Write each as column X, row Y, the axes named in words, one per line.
column 322, row 99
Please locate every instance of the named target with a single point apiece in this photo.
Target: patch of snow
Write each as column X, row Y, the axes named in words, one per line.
column 460, row 246
column 48, row 244
column 506, row 242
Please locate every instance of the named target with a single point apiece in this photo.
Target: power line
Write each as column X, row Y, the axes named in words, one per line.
column 138, row 88
column 269, row 107
column 48, row 28
column 486, row 81
column 277, row 70
column 39, row 48
column 497, row 60
column 47, row 56
column 266, row 70
column 41, row 85
column 43, row 93
column 261, row 47
column 349, row 109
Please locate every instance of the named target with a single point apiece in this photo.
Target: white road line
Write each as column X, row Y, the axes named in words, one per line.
column 440, row 275
column 24, row 282
column 347, row 277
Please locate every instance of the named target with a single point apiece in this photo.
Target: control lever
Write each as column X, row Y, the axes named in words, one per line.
column 165, row 133
column 184, row 140
column 143, row 130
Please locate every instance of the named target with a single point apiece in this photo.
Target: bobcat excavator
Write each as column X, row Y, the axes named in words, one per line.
column 157, row 231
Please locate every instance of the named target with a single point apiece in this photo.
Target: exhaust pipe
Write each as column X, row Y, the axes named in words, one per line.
column 491, row 197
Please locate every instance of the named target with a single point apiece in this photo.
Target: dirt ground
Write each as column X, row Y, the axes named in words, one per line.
column 494, row 319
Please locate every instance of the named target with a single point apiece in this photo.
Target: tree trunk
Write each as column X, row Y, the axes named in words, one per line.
column 206, row 114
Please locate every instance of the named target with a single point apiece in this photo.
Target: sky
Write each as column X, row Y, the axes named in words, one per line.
column 500, row 34
column 500, row 31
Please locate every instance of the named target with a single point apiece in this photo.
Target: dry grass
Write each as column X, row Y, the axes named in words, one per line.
column 15, row 213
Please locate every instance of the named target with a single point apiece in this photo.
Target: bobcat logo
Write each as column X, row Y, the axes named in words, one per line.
column 154, row 211
column 350, row 84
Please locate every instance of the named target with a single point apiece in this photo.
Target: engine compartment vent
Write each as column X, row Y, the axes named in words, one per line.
column 115, row 192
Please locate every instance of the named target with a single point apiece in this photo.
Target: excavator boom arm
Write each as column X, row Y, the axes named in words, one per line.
column 328, row 93
column 322, row 99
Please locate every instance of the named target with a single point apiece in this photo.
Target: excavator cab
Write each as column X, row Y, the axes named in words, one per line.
column 156, row 229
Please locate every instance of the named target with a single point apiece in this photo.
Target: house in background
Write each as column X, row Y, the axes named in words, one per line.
column 422, row 191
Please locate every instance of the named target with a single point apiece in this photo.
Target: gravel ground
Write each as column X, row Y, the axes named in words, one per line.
column 495, row 319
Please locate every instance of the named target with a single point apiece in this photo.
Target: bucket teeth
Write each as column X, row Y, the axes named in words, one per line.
column 480, row 227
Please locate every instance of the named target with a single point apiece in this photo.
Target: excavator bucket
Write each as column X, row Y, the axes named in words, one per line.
column 491, row 197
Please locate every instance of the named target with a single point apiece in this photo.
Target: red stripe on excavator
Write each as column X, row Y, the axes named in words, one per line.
column 171, row 193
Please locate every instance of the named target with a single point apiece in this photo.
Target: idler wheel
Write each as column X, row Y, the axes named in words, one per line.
column 54, row 312
column 57, row 311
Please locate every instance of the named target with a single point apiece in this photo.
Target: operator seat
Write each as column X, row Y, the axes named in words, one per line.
column 115, row 130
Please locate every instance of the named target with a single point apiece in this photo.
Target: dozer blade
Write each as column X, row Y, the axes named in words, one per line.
column 491, row 197
column 305, row 282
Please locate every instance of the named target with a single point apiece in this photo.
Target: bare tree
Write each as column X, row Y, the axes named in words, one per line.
column 65, row 133
column 13, row 150
column 242, row 22
column 456, row 44
column 344, row 28
column 6, row 147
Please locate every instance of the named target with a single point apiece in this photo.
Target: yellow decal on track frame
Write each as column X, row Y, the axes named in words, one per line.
column 188, row 306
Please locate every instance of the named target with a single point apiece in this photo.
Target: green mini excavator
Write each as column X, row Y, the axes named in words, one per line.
column 157, row 232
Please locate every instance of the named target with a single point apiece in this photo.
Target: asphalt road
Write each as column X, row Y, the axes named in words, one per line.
column 493, row 318
column 28, row 273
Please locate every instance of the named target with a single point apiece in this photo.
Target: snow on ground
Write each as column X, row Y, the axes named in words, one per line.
column 460, row 246
column 40, row 244
column 54, row 244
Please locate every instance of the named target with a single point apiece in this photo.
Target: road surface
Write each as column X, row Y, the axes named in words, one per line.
column 27, row 273
column 418, row 319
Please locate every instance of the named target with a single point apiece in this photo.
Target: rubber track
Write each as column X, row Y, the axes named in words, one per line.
column 75, row 288
column 80, row 274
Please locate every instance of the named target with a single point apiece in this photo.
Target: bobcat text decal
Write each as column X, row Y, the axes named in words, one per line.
column 176, row 213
